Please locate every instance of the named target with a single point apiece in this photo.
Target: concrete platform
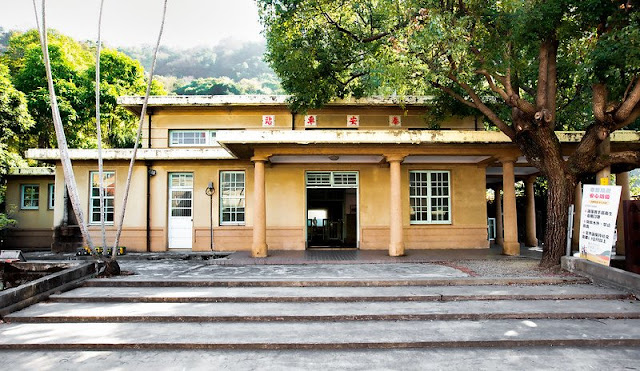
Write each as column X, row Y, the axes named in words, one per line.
column 327, row 311
column 524, row 359
column 336, row 294
column 320, row 335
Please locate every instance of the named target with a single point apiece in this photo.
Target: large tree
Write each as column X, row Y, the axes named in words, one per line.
column 530, row 67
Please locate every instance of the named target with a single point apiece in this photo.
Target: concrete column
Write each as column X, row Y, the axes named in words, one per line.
column 511, row 245
column 396, row 238
column 622, row 180
column 499, row 227
column 259, row 245
column 531, row 239
column 577, row 203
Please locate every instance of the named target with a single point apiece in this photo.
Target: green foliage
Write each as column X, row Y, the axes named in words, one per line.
column 73, row 69
column 14, row 115
column 226, row 86
column 322, row 49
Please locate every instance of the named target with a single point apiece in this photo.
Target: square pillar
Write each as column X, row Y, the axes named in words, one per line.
column 531, row 239
column 499, row 227
column 259, row 245
column 511, row 245
column 622, row 179
column 396, row 238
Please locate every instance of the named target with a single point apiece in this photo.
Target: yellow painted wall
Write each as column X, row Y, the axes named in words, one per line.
column 231, row 117
column 286, row 205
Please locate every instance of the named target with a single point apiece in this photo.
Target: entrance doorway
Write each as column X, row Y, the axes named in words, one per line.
column 180, row 210
column 332, row 209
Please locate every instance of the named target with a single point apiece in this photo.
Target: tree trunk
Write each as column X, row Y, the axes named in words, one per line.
column 559, row 197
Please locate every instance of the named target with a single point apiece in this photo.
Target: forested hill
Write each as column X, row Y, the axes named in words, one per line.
column 230, row 67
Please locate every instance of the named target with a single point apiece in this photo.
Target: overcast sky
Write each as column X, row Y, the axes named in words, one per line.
column 134, row 22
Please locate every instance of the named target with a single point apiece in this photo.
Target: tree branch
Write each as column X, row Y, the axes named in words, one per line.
column 453, row 94
column 552, row 85
column 629, row 104
column 633, row 116
column 599, row 102
column 617, row 158
column 506, row 129
column 543, row 58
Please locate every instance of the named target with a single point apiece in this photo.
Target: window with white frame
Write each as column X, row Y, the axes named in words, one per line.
column 52, row 195
column 30, row 196
column 192, row 138
column 232, row 197
column 430, row 197
column 109, row 184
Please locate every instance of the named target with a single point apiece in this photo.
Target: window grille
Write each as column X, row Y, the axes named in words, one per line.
column 109, row 183
column 429, row 195
column 232, row 198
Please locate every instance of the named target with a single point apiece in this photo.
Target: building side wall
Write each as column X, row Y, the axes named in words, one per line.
column 34, row 227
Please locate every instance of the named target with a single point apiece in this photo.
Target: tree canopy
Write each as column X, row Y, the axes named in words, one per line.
column 530, row 67
column 73, row 68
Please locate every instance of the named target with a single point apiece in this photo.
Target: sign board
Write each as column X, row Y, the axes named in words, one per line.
column 353, row 121
column 268, row 121
column 598, row 221
column 395, row 121
column 311, row 121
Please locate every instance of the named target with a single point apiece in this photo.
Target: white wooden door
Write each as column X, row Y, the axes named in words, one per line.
column 180, row 210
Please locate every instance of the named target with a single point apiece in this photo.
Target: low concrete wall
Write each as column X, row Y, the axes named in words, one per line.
column 32, row 292
column 603, row 274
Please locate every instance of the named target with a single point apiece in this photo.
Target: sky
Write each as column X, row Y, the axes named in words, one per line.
column 136, row 22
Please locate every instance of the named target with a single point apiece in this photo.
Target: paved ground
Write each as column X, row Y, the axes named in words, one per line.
column 434, row 310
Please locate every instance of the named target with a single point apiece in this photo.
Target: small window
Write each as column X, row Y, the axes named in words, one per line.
column 430, row 197
column 192, row 138
column 109, row 193
column 52, row 195
column 30, row 197
column 232, row 198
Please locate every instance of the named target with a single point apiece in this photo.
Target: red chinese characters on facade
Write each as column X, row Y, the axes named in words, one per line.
column 353, row 121
column 268, row 120
column 310, row 121
column 395, row 121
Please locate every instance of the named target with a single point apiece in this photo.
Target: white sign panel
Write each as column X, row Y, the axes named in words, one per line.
column 311, row 121
column 353, row 121
column 598, row 221
column 395, row 121
column 268, row 121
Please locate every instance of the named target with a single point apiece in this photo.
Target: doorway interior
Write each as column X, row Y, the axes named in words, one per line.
column 332, row 210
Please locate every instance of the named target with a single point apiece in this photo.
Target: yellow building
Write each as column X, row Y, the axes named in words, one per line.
column 369, row 174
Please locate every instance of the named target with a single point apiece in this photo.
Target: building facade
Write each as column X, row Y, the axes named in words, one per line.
column 369, row 174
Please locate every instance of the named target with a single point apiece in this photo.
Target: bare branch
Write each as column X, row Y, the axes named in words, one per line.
column 599, row 102
column 628, row 104
column 489, row 113
column 633, row 116
column 552, row 86
column 493, row 86
column 617, row 158
column 543, row 58
column 453, row 94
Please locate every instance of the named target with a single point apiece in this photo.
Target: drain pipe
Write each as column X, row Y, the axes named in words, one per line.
column 149, row 130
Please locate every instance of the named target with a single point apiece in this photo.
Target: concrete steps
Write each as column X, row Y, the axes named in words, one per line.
column 324, row 314
column 333, row 294
column 321, row 335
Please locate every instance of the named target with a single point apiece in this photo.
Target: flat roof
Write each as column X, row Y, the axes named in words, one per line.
column 216, row 153
column 134, row 103
column 32, row 171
